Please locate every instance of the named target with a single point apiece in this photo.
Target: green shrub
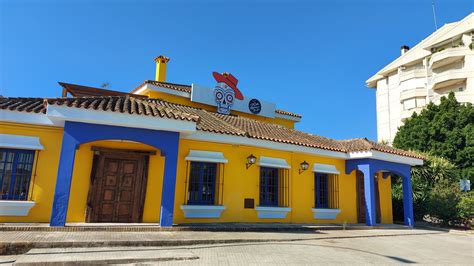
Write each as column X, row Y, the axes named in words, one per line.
column 443, row 203
column 466, row 206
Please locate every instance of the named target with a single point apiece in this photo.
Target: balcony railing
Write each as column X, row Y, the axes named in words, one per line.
column 448, row 56
column 449, row 77
column 413, row 93
column 412, row 73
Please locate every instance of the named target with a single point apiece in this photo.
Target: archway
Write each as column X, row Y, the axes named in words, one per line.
column 369, row 168
column 76, row 134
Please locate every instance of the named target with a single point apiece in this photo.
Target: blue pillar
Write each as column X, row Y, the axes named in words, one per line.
column 63, row 181
column 370, row 216
column 169, row 182
column 407, row 200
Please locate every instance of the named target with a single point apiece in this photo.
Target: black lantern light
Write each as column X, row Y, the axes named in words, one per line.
column 303, row 166
column 251, row 159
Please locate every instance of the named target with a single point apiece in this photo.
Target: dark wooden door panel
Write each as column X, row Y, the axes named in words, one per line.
column 360, row 198
column 118, row 191
column 361, row 214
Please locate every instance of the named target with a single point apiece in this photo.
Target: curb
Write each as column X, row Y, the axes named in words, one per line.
column 191, row 228
column 15, row 248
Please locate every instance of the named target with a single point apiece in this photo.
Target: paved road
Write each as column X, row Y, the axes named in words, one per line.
column 446, row 248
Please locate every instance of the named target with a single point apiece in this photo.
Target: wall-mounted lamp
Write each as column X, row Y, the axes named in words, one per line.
column 303, row 166
column 251, row 159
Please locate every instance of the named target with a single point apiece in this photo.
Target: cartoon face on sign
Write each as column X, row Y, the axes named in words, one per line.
column 226, row 92
column 224, row 96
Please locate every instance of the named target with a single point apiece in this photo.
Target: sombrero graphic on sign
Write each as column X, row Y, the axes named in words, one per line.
column 225, row 92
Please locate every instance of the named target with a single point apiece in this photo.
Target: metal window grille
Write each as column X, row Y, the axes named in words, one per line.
column 274, row 189
column 16, row 167
column 202, row 183
column 326, row 191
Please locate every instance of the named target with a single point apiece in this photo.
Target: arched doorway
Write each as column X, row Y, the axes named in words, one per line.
column 76, row 134
column 118, row 185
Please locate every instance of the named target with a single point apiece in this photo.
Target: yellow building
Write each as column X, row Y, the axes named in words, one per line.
column 173, row 154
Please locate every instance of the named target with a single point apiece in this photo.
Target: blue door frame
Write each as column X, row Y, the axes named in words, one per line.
column 369, row 167
column 76, row 134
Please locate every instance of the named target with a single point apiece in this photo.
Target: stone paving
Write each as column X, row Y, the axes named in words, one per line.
column 434, row 249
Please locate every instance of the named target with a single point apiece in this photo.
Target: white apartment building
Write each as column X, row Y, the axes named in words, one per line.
column 439, row 64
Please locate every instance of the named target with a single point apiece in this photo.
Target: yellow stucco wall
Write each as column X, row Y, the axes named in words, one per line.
column 240, row 183
column 43, row 184
column 385, row 192
column 186, row 101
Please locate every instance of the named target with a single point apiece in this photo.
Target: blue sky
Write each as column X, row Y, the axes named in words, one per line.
column 309, row 57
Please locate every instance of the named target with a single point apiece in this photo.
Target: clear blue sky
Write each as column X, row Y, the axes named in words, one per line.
column 309, row 57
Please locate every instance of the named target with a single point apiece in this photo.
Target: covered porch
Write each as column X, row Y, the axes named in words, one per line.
column 369, row 168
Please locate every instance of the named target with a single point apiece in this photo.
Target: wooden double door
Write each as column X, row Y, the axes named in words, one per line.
column 361, row 211
column 118, row 187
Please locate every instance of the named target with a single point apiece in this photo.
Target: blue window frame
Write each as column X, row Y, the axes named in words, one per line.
column 202, row 183
column 16, row 167
column 321, row 190
column 268, row 186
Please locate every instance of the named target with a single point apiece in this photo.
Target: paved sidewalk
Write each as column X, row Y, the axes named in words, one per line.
column 335, row 247
column 17, row 242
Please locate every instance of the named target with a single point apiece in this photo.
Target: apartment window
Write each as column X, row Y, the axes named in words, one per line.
column 326, row 192
column 16, row 167
column 409, row 104
column 202, row 183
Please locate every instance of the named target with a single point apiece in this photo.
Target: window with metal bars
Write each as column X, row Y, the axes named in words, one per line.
column 16, row 167
column 269, row 191
column 326, row 192
column 202, row 183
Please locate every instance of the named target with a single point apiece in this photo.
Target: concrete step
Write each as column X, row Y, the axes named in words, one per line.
column 103, row 255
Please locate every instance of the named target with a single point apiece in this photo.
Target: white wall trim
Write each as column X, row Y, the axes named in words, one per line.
column 325, row 214
column 272, row 212
column 206, row 156
column 325, row 168
column 20, row 142
column 15, row 207
column 385, row 157
column 238, row 140
column 202, row 211
column 273, row 162
column 64, row 113
column 26, row 118
column 287, row 117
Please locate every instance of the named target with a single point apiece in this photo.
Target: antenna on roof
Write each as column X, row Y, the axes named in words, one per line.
column 434, row 14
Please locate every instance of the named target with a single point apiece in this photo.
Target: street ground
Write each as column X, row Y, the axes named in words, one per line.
column 376, row 246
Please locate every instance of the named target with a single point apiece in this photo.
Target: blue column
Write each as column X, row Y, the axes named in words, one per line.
column 169, row 182
column 369, row 193
column 63, row 181
column 407, row 200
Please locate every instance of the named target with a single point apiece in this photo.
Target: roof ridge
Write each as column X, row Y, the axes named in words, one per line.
column 169, row 83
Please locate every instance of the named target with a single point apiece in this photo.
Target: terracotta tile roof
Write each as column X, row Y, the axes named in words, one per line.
column 29, row 105
column 363, row 144
column 205, row 121
column 283, row 112
column 208, row 120
column 172, row 86
column 187, row 88
column 116, row 104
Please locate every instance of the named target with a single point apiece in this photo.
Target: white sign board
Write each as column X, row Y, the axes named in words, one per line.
column 248, row 105
column 465, row 184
